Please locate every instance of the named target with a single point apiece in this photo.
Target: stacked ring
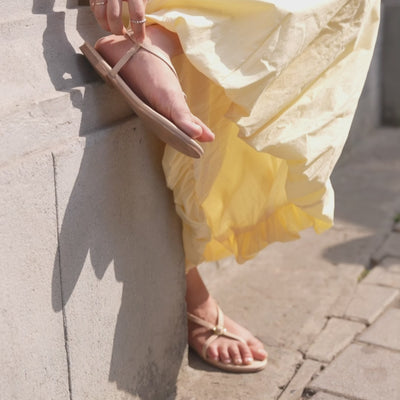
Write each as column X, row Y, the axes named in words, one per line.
column 142, row 21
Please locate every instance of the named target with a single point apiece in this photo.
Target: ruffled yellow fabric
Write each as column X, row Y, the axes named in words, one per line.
column 278, row 82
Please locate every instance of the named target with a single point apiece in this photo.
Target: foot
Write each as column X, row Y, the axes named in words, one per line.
column 153, row 81
column 226, row 350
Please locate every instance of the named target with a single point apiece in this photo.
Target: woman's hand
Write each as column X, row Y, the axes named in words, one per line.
column 109, row 16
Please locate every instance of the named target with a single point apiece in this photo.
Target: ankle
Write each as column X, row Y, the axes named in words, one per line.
column 207, row 307
column 164, row 39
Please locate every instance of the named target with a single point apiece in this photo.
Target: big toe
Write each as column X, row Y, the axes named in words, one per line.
column 191, row 125
column 258, row 352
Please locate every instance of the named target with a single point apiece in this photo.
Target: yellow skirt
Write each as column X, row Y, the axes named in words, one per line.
column 278, row 82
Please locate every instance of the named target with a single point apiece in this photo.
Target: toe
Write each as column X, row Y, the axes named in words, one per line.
column 212, row 353
column 246, row 353
column 258, row 351
column 224, row 355
column 206, row 134
column 234, row 352
column 185, row 120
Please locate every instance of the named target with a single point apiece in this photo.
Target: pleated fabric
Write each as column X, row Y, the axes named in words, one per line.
column 278, row 82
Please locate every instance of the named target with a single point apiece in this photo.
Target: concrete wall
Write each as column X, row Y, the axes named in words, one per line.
column 92, row 289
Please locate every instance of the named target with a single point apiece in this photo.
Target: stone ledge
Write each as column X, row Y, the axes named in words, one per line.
column 47, row 123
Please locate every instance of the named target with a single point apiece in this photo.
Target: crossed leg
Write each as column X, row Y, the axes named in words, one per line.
column 153, row 81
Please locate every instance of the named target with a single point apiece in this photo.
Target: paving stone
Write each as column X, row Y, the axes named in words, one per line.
column 337, row 334
column 381, row 276
column 369, row 302
column 201, row 381
column 348, row 287
column 362, row 372
column 32, row 345
column 385, row 331
column 296, row 386
column 389, row 248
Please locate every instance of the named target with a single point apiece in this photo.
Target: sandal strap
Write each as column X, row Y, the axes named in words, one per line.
column 218, row 330
column 162, row 55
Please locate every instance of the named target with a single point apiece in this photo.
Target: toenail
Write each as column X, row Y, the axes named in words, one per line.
column 248, row 360
column 227, row 361
column 238, row 360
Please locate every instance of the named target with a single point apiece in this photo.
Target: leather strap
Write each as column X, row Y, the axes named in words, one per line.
column 162, row 55
column 218, row 330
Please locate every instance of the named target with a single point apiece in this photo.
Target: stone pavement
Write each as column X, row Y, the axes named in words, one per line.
column 326, row 306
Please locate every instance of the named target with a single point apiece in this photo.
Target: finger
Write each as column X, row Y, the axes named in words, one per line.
column 114, row 16
column 99, row 8
column 137, row 16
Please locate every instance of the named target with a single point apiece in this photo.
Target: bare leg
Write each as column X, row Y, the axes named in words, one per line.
column 153, row 81
column 200, row 303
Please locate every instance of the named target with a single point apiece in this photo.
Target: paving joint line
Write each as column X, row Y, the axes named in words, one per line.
column 297, row 368
column 380, row 346
column 64, row 316
column 339, row 395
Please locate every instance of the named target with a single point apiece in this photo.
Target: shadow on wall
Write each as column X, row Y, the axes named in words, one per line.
column 68, row 70
column 113, row 205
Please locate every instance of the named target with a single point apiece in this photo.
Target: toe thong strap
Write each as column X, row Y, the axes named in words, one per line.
column 218, row 330
column 134, row 49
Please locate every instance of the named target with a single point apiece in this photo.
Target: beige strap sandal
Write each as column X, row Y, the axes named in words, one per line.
column 217, row 331
column 166, row 130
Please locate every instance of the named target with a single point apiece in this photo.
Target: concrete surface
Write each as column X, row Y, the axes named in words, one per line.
column 381, row 276
column 286, row 294
column 362, row 372
column 121, row 266
column 337, row 334
column 326, row 396
column 391, row 66
column 32, row 353
column 369, row 302
column 305, row 373
column 390, row 248
column 89, row 309
column 386, row 331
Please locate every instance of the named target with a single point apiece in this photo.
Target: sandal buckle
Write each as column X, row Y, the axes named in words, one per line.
column 219, row 330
